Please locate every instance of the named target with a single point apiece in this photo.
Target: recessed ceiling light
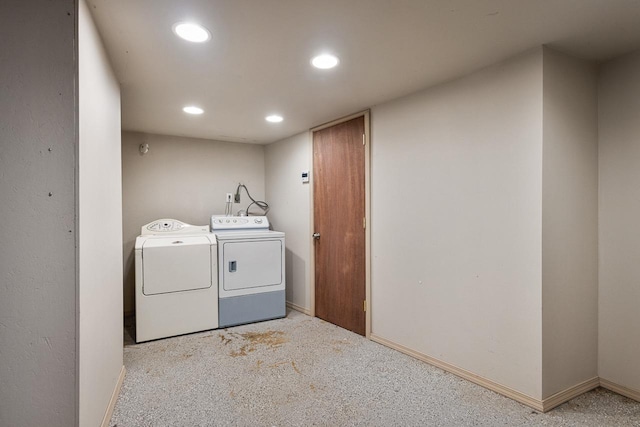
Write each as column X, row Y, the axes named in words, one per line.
column 274, row 118
column 191, row 32
column 325, row 61
column 191, row 109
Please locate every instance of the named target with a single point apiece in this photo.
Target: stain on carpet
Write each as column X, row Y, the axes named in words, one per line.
column 243, row 351
column 250, row 341
column 275, row 365
column 269, row 338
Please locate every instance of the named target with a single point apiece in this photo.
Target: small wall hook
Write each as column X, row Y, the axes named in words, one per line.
column 144, row 148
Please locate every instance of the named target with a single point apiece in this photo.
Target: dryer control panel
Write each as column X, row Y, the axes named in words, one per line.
column 239, row 222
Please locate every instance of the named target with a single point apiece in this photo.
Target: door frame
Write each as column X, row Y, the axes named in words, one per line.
column 367, row 213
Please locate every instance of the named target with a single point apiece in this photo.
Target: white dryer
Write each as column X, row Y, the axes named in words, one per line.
column 176, row 280
column 251, row 272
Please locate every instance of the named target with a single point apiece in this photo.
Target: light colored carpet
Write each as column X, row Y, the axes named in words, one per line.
column 302, row 371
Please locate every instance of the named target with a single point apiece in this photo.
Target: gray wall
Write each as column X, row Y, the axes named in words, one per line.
column 569, row 223
column 619, row 220
column 181, row 178
column 100, row 225
column 38, row 232
column 290, row 211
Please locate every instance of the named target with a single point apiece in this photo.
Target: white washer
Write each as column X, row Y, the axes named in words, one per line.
column 251, row 273
column 176, row 280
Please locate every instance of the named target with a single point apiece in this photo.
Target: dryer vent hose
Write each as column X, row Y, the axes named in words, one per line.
column 259, row 203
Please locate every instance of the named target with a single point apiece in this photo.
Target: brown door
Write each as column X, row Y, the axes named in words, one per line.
column 338, row 212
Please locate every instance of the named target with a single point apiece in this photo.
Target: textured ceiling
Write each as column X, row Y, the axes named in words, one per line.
column 257, row 61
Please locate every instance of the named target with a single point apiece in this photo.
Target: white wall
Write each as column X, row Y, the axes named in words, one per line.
column 619, row 222
column 38, row 232
column 456, row 222
column 100, row 225
column 290, row 212
column 182, row 178
column 569, row 223
column 498, row 174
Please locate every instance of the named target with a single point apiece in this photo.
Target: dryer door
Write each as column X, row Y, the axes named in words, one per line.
column 251, row 264
column 175, row 264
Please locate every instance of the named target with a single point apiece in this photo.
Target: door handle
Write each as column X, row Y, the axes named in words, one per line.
column 316, row 236
column 232, row 266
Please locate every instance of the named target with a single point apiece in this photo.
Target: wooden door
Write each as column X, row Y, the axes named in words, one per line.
column 339, row 212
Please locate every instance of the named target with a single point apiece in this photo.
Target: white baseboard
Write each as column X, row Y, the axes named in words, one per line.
column 298, row 308
column 114, row 398
column 617, row 388
column 463, row 373
column 568, row 394
column 539, row 405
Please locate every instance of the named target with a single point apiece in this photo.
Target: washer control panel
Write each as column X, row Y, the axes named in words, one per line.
column 165, row 225
column 172, row 226
column 239, row 222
